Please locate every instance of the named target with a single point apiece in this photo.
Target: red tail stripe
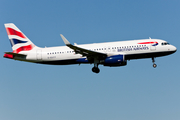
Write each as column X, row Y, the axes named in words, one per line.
column 11, row 31
column 147, row 42
column 23, row 48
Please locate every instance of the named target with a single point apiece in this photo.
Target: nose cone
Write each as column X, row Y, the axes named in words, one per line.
column 173, row 48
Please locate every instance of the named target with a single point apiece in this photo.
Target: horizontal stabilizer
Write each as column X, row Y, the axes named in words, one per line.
column 15, row 54
column 11, row 55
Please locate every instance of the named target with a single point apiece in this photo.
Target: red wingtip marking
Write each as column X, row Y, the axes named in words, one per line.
column 11, row 31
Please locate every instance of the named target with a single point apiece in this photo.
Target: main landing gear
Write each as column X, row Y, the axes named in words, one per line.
column 95, row 69
column 154, row 65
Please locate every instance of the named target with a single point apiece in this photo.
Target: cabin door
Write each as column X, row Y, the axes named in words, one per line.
column 39, row 54
column 153, row 46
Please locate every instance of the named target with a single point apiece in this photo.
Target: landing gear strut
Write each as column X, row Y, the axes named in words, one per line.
column 154, row 65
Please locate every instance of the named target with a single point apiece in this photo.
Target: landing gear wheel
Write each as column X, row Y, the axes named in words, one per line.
column 154, row 65
column 95, row 70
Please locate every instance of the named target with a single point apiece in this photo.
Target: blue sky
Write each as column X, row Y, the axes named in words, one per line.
column 133, row 92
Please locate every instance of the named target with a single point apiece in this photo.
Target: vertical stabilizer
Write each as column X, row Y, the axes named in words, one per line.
column 18, row 40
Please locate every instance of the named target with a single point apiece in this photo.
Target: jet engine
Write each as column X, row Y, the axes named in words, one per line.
column 116, row 60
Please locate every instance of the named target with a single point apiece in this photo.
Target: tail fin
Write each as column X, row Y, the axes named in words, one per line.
column 19, row 41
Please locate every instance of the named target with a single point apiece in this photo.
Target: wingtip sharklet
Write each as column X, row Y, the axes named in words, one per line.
column 65, row 40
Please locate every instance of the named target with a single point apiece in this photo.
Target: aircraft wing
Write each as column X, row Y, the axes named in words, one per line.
column 85, row 52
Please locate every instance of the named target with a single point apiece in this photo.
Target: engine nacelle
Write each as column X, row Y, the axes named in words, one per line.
column 117, row 60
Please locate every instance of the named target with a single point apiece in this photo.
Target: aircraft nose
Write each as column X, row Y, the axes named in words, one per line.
column 174, row 48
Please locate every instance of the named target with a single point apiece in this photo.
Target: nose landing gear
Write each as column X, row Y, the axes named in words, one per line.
column 154, row 65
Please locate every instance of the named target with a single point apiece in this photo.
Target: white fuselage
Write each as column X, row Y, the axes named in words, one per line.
column 128, row 48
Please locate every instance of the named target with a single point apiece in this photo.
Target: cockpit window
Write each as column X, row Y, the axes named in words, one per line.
column 165, row 43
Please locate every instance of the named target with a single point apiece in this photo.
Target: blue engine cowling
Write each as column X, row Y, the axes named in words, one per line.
column 116, row 60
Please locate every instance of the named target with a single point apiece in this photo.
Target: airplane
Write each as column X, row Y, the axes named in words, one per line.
column 110, row 54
